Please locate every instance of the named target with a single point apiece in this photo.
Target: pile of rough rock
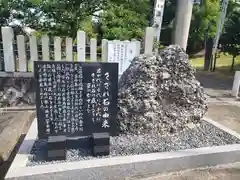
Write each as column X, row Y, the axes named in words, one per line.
column 16, row 92
column 160, row 94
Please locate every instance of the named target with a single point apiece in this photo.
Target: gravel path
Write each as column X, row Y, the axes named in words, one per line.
column 203, row 135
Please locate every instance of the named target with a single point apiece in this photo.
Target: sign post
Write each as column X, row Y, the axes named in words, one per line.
column 158, row 17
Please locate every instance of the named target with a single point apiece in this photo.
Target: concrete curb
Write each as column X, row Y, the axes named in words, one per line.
column 22, row 156
column 125, row 166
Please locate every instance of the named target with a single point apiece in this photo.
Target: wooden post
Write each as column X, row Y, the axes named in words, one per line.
column 149, row 40
column 138, row 48
column 236, row 83
column 33, row 51
column 81, row 45
column 7, row 39
column 104, row 50
column 93, row 50
column 57, row 49
column 69, row 49
column 45, row 48
column 22, row 60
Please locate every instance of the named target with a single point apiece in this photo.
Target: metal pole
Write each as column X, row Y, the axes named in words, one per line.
column 219, row 30
column 183, row 21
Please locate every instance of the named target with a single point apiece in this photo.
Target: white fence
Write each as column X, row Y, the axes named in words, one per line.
column 113, row 51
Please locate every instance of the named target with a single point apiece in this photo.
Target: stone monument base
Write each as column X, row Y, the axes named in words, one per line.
column 210, row 152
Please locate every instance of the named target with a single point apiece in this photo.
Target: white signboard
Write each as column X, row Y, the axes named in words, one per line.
column 123, row 53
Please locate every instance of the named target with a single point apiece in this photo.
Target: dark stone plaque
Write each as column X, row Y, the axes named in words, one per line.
column 76, row 98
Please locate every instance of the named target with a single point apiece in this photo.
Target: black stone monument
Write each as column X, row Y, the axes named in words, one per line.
column 76, row 99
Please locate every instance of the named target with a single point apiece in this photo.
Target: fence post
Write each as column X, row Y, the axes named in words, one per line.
column 57, row 49
column 45, row 48
column 33, row 51
column 138, row 48
column 69, row 49
column 93, row 49
column 7, row 39
column 104, row 50
column 81, row 46
column 236, row 83
column 148, row 40
column 22, row 61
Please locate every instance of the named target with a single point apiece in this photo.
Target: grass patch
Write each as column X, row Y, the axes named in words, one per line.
column 222, row 61
column 223, row 66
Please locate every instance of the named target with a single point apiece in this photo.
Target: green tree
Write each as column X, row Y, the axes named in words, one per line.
column 143, row 7
column 204, row 16
column 4, row 13
column 168, row 21
column 125, row 19
column 230, row 39
column 7, row 16
column 57, row 17
column 88, row 26
column 169, row 12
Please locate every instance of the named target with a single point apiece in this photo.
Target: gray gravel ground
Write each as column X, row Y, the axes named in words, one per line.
column 203, row 135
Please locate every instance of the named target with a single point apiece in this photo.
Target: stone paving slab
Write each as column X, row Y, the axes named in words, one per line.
column 222, row 172
column 5, row 120
column 225, row 114
column 13, row 127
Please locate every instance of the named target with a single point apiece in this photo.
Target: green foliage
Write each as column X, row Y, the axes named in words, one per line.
column 57, row 17
column 121, row 19
column 168, row 21
column 169, row 12
column 125, row 20
column 142, row 7
column 5, row 12
column 88, row 26
column 230, row 39
column 204, row 16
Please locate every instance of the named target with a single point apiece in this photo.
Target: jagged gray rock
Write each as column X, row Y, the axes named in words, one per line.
column 17, row 92
column 160, row 94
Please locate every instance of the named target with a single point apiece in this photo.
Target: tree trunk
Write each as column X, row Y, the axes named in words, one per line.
column 233, row 62
column 208, row 53
column 213, row 62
